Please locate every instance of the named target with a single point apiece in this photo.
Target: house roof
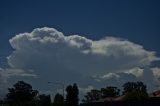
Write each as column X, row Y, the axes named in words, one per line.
column 110, row 99
column 156, row 94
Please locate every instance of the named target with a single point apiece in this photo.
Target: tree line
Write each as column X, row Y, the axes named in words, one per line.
column 132, row 91
column 22, row 94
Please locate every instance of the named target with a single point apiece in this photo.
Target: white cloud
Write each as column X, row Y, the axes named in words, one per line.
column 156, row 72
column 109, row 76
column 115, row 79
column 55, row 57
column 5, row 74
column 138, row 72
column 84, row 90
column 44, row 46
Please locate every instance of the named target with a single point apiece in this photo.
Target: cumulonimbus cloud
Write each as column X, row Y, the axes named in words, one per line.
column 49, row 48
column 56, row 57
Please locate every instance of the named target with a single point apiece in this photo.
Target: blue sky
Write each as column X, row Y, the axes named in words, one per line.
column 137, row 21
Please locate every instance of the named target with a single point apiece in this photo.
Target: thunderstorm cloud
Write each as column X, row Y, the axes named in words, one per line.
column 49, row 55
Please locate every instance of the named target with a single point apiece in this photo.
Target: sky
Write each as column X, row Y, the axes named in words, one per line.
column 93, row 43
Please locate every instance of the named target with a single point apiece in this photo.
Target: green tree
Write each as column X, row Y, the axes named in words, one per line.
column 75, row 94
column 134, row 87
column 44, row 100
column 21, row 94
column 58, row 100
column 135, row 96
column 110, row 91
column 92, row 96
column 1, row 102
column 69, row 95
column 72, row 95
column 135, row 91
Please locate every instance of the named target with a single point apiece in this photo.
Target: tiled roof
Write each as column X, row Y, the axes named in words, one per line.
column 156, row 94
column 110, row 99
